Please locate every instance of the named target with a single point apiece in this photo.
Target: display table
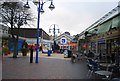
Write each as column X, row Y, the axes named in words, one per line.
column 107, row 74
column 107, row 65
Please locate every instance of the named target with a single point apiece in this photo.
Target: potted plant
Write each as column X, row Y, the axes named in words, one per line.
column 57, row 48
column 5, row 50
column 24, row 48
column 24, row 51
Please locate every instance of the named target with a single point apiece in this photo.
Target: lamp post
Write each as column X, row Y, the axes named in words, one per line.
column 54, row 31
column 40, row 10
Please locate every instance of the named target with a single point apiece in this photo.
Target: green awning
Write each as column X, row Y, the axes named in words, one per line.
column 104, row 27
column 116, row 22
column 93, row 30
column 81, row 37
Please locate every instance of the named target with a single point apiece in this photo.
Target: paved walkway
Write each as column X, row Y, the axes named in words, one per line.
column 49, row 67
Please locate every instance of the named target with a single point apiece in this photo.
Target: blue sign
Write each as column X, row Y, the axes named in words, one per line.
column 11, row 44
column 102, row 41
column 93, row 43
column 63, row 40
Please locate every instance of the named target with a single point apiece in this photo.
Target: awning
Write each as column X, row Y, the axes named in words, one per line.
column 81, row 37
column 104, row 27
column 93, row 30
column 116, row 22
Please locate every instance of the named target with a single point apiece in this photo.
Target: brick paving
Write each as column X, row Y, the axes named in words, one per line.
column 49, row 67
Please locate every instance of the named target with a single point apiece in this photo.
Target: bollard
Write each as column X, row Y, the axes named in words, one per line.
column 48, row 53
column 31, row 54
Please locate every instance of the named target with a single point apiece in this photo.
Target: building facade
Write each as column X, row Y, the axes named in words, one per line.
column 103, row 37
column 3, row 30
column 3, row 33
column 30, row 34
column 65, row 41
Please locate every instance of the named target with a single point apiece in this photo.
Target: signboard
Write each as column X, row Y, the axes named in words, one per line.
column 11, row 44
column 63, row 40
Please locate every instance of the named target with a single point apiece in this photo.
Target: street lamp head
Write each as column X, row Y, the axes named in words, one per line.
column 27, row 5
column 51, row 7
column 58, row 30
column 42, row 11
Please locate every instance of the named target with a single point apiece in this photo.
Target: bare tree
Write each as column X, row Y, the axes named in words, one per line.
column 15, row 14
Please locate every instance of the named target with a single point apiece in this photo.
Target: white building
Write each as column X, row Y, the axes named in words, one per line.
column 65, row 41
column 3, row 30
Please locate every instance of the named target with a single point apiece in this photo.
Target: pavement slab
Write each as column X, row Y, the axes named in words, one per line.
column 49, row 67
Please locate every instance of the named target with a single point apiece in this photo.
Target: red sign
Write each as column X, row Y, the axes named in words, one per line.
column 84, row 46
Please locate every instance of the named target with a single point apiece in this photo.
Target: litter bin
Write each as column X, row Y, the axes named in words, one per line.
column 69, row 53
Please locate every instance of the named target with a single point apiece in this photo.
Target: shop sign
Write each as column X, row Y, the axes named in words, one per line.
column 101, row 41
column 63, row 40
column 93, row 43
column 84, row 46
column 101, row 38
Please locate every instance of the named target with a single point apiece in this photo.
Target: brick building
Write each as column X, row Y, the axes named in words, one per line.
column 30, row 34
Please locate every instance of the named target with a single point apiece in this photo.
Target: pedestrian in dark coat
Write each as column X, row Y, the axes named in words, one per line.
column 90, row 54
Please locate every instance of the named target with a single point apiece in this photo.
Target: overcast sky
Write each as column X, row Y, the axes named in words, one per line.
column 73, row 16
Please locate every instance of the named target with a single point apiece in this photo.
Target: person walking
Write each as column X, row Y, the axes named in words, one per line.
column 90, row 54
